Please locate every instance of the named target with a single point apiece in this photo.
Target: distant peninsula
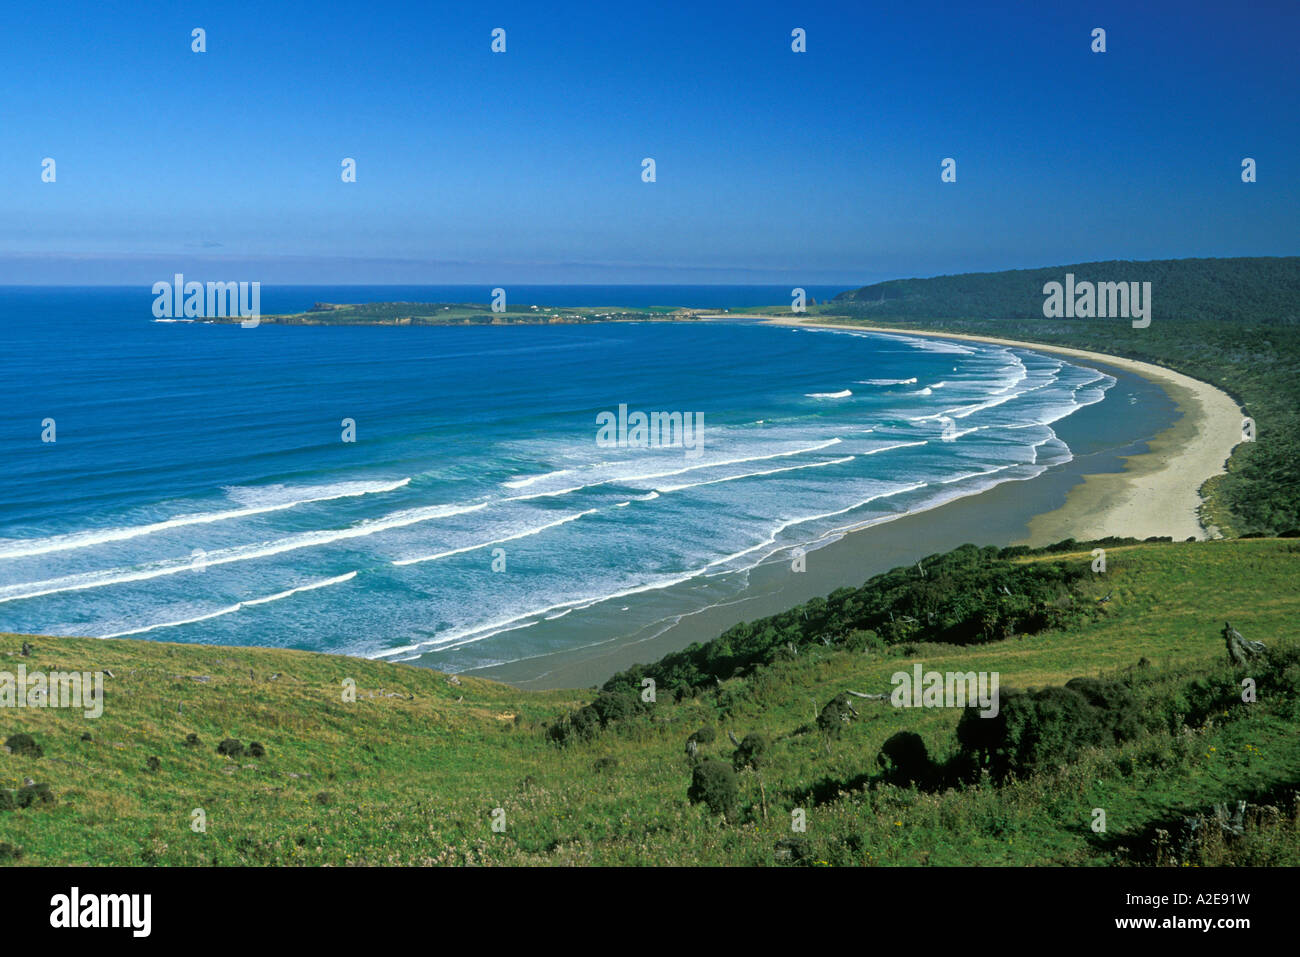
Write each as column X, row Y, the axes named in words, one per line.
column 464, row 314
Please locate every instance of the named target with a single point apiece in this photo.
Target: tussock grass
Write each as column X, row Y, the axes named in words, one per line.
column 412, row 771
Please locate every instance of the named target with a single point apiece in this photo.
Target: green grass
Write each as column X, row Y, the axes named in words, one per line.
column 411, row 772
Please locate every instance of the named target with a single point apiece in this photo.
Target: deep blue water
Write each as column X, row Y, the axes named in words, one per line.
column 200, row 489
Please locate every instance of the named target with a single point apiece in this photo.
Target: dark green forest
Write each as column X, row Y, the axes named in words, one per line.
column 1242, row 290
column 1234, row 323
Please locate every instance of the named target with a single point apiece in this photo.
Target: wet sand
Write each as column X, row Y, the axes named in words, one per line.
column 1158, row 492
column 1143, row 485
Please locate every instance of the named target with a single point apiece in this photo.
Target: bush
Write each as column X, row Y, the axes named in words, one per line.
column 905, row 760
column 33, row 794
column 1048, row 727
column 966, row 596
column 864, row 640
column 705, row 735
column 7, row 801
column 793, row 849
column 1116, row 700
column 838, row 712
column 713, row 782
column 584, row 724
column 231, row 748
column 752, row 752
column 255, row 750
column 192, row 740
column 610, row 707
column 24, row 745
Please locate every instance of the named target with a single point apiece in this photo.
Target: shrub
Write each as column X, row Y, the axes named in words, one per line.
column 1048, row 727
column 793, row 849
column 24, row 745
column 255, row 750
column 985, row 739
column 752, row 752
column 864, row 640
column 705, row 735
column 966, row 596
column 610, row 707
column 838, row 712
column 713, row 782
column 584, row 724
column 905, row 760
column 231, row 748
column 1116, row 700
column 35, row 794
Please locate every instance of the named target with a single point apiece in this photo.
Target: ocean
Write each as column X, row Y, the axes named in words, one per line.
column 200, row 487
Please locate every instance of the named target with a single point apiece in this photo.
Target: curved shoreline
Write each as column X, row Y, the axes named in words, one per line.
column 1158, row 491
column 1140, row 488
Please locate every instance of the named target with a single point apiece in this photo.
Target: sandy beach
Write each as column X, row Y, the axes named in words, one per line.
column 1158, row 493
column 1149, row 489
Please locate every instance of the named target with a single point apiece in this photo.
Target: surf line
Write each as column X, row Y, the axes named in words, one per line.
column 508, row 538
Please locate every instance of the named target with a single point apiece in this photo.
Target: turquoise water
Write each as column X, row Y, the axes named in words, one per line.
column 200, row 488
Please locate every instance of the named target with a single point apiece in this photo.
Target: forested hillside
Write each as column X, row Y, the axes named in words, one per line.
column 1231, row 322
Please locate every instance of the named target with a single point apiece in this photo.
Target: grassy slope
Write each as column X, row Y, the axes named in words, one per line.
column 409, row 774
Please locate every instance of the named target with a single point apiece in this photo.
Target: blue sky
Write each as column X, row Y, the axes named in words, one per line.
column 772, row 166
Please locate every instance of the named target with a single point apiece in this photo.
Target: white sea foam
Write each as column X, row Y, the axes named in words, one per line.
column 282, row 498
column 771, row 539
column 243, row 553
column 732, row 478
column 496, row 541
column 970, row 475
column 990, row 381
column 946, row 346
column 532, row 479
column 899, row 445
column 624, row 479
column 471, row 633
column 231, row 609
